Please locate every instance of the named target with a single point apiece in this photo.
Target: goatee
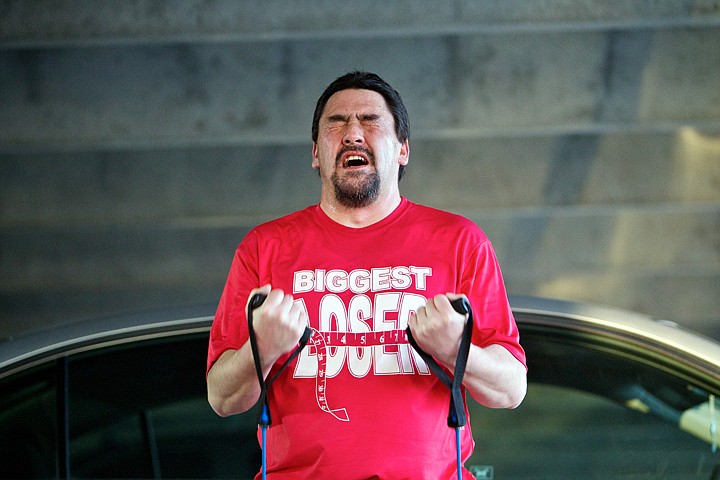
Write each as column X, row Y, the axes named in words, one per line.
column 357, row 189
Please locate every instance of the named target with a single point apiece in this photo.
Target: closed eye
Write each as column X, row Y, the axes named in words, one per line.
column 369, row 118
column 338, row 119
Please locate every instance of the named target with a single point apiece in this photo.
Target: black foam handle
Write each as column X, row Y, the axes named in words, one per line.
column 456, row 414
column 456, row 417
column 255, row 301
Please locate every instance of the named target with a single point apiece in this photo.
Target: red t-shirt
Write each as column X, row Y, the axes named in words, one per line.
column 359, row 402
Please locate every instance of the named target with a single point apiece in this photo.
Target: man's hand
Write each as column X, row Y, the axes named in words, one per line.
column 493, row 376
column 278, row 323
column 438, row 328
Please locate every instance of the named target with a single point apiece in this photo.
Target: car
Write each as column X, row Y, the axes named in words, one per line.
column 612, row 394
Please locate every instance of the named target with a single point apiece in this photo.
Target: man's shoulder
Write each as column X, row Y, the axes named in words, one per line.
column 281, row 231
column 440, row 217
column 281, row 224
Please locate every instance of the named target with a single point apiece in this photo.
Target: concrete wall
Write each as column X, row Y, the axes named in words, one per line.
column 140, row 140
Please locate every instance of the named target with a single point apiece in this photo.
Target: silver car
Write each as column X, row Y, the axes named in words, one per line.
column 612, row 395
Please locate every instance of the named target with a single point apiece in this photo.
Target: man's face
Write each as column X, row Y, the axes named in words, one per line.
column 357, row 151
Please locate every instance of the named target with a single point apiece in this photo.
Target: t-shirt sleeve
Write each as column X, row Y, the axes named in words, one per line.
column 229, row 328
column 494, row 321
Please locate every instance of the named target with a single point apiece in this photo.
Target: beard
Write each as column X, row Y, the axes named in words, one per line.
column 356, row 189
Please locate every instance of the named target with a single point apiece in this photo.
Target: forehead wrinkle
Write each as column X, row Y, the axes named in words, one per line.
column 357, row 102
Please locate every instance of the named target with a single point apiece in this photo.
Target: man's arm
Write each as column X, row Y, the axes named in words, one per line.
column 493, row 376
column 232, row 381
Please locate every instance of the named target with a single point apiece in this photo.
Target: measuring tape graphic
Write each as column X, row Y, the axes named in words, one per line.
column 322, row 341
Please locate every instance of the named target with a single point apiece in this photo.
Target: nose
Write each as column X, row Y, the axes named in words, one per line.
column 353, row 134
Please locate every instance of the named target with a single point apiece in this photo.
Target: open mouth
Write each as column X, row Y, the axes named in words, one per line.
column 355, row 161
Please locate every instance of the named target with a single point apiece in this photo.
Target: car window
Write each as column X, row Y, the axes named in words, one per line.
column 137, row 410
column 28, row 418
column 560, row 433
column 599, row 406
column 142, row 412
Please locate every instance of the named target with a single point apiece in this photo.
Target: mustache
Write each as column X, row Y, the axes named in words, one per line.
column 351, row 148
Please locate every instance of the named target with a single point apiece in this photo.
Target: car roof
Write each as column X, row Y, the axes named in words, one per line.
column 18, row 353
column 618, row 323
column 32, row 348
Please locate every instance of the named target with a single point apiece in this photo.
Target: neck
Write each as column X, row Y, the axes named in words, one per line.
column 363, row 216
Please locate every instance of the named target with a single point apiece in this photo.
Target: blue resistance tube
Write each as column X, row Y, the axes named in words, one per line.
column 265, row 419
column 456, row 415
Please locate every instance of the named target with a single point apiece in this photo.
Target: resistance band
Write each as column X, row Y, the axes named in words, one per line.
column 456, row 415
column 265, row 419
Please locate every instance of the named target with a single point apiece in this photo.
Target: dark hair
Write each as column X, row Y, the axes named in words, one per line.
column 366, row 81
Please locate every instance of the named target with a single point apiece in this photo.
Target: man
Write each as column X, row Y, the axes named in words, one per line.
column 358, row 268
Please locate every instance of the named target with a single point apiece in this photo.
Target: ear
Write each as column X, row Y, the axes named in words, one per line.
column 404, row 155
column 315, row 159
